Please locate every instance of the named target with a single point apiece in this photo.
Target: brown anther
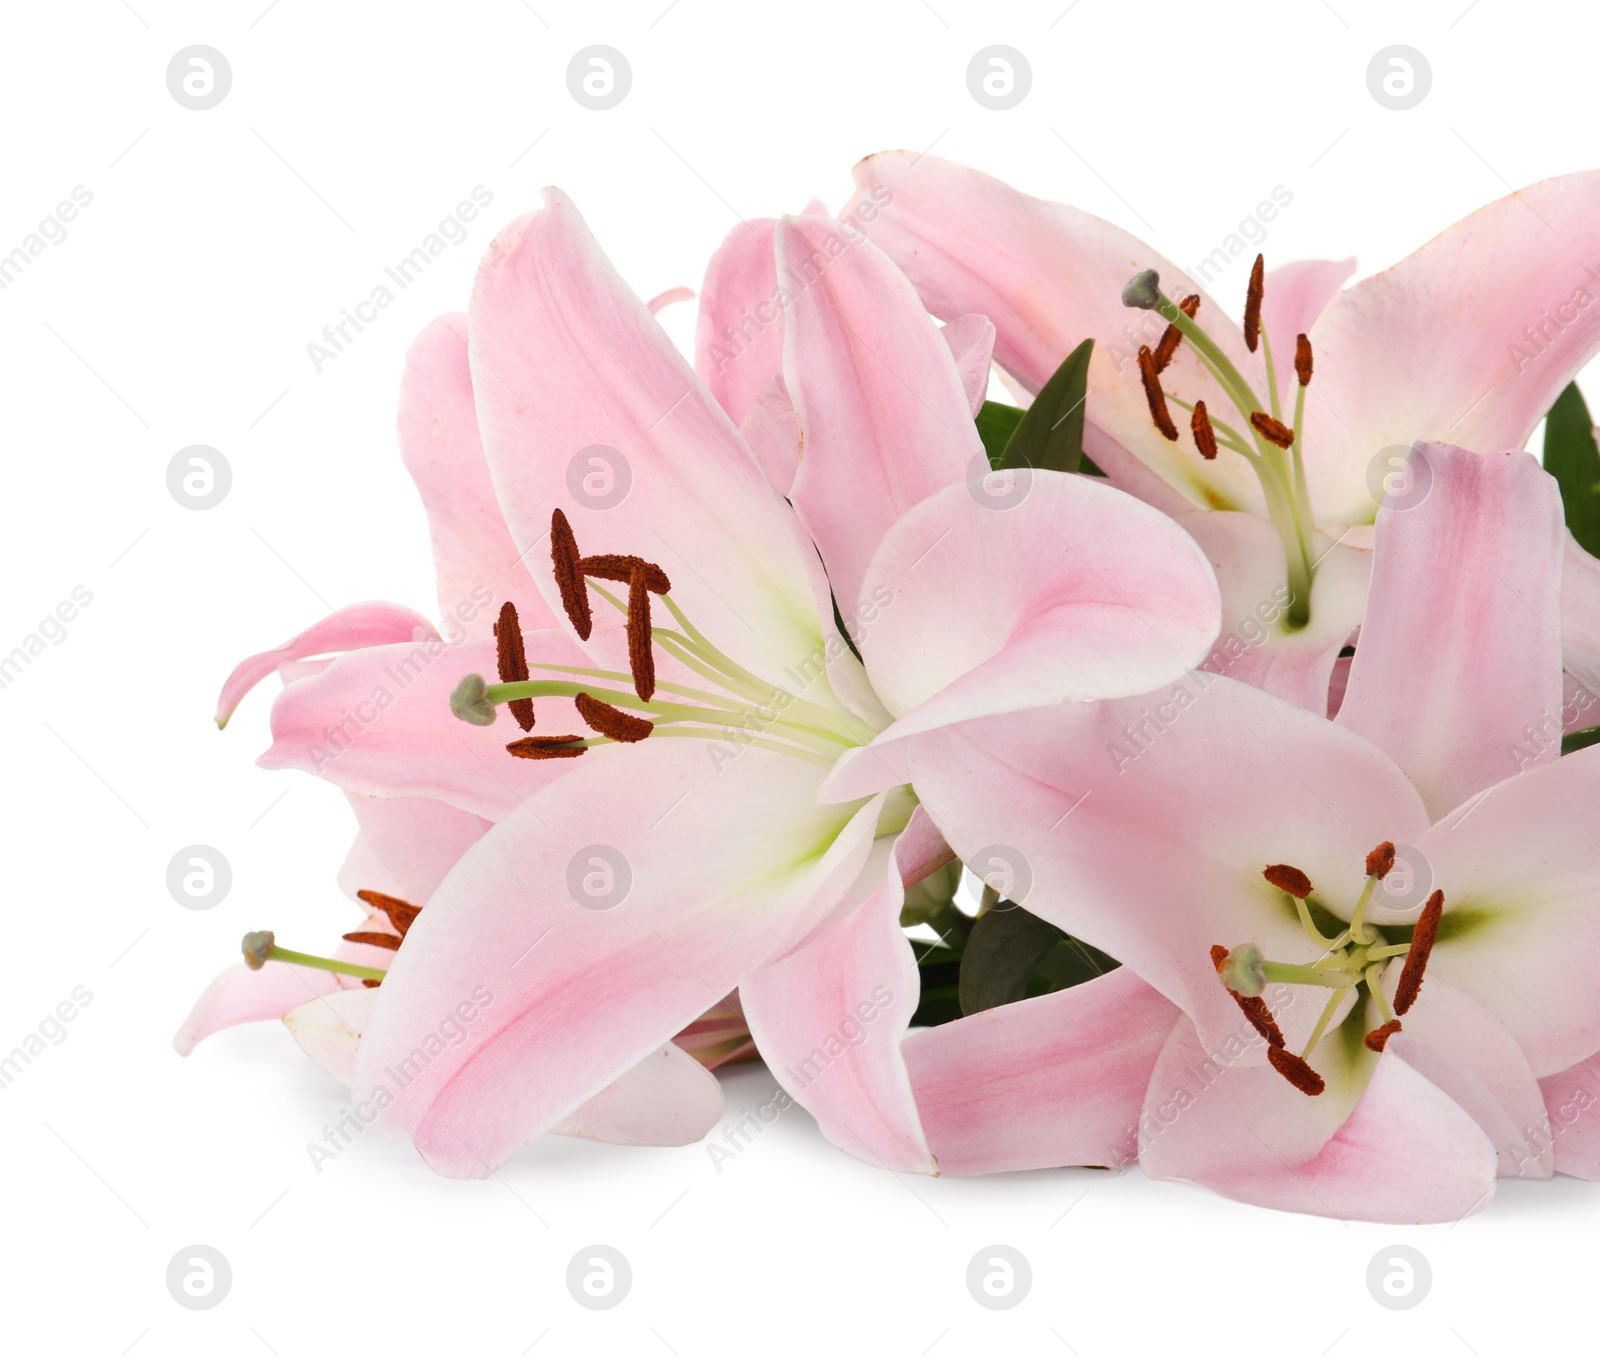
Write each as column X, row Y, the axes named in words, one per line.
column 641, row 657
column 370, row 983
column 1270, row 429
column 1297, row 1071
column 1256, row 1011
column 401, row 914
column 1380, row 861
column 1376, row 1039
column 547, row 746
column 387, row 940
column 512, row 662
column 1252, row 304
column 569, row 577
column 610, row 721
column 1152, row 393
column 1205, row 437
column 1290, row 879
column 619, row 570
column 1172, row 336
column 1422, row 940
column 1302, row 359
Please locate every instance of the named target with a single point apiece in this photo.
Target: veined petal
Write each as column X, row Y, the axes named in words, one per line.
column 1075, row 592
column 1142, row 826
column 352, row 628
column 1521, row 927
column 558, row 999
column 477, row 565
column 772, row 431
column 1050, row 276
column 738, row 341
column 1459, row 664
column 377, row 722
column 1057, row 1081
column 885, row 420
column 1471, row 338
column 971, row 342
column 1390, row 1148
column 574, row 379
column 829, row 1017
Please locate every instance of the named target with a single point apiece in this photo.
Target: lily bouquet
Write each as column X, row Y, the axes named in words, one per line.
column 1246, row 670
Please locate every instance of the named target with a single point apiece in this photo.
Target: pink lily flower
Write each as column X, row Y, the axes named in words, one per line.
column 1359, row 954
column 745, row 780
column 1469, row 339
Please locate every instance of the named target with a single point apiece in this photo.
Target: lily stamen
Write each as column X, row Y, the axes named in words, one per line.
column 1172, row 336
column 567, row 563
column 1270, row 429
column 548, row 746
column 1252, row 303
column 610, row 721
column 1422, row 941
column 511, row 661
column 1159, row 413
column 260, row 947
column 1205, row 438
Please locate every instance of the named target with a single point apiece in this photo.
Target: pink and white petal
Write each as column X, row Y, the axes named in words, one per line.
column 240, row 994
column 971, row 342
column 1075, row 592
column 1145, row 824
column 1580, row 634
column 1050, row 276
column 1460, row 652
column 1454, row 1043
column 412, row 841
column 719, row 1035
column 1521, row 928
column 671, row 297
column 1295, row 294
column 738, row 342
column 1258, row 645
column 1057, row 1081
column 667, row 1099
column 477, row 565
column 772, row 431
column 885, row 420
column 829, row 1016
column 1440, row 345
column 351, row 628
column 1132, row 476
column 558, row 1000
column 1397, row 1150
column 378, row 723
column 328, row 1028
column 1570, row 1099
column 566, row 359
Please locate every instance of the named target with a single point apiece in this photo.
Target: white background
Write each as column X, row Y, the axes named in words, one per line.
column 178, row 310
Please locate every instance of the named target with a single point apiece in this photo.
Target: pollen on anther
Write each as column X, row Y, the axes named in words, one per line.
column 1252, row 304
column 400, row 913
column 1172, row 336
column 1297, row 1071
column 1377, row 1038
column 1271, row 429
column 564, row 557
column 641, row 658
column 387, row 940
column 1205, row 438
column 1380, row 861
column 1302, row 359
column 547, row 746
column 1152, row 393
column 1290, row 879
column 512, row 661
column 1422, row 940
column 619, row 570
column 611, row 722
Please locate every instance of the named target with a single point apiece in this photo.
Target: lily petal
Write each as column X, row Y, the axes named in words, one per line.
column 971, row 342
column 377, row 722
column 477, row 565
column 1570, row 1098
column 240, row 995
column 564, row 998
column 329, row 1028
column 1459, row 663
column 667, row 1099
column 1056, row 1081
column 351, row 628
column 1580, row 632
column 412, row 841
column 738, row 341
column 1104, row 816
column 884, row 417
column 1296, row 294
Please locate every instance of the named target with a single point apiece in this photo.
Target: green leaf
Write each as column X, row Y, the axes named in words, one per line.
column 1006, row 944
column 1580, row 739
column 1049, row 436
column 996, row 424
column 1570, row 455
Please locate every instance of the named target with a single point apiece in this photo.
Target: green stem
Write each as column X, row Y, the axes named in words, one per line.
column 281, row 953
